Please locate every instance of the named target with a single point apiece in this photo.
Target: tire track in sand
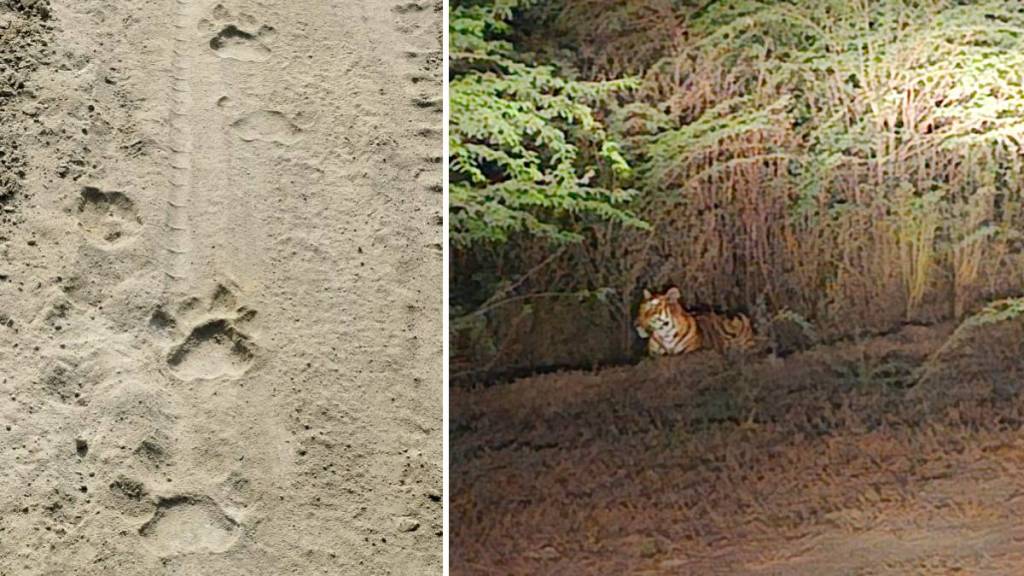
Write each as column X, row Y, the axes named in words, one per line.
column 177, row 236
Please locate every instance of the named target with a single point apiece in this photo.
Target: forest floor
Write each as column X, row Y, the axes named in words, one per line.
column 898, row 454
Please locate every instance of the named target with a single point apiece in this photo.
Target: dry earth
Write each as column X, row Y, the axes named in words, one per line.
column 220, row 279
column 900, row 454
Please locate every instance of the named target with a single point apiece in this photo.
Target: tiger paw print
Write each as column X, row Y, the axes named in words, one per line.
column 210, row 336
column 239, row 37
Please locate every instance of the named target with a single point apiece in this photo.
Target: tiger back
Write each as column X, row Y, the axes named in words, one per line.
column 723, row 332
column 670, row 329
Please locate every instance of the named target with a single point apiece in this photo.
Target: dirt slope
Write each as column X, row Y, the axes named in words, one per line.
column 220, row 276
column 829, row 462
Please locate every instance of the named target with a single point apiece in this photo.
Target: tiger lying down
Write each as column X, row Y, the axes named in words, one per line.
column 670, row 329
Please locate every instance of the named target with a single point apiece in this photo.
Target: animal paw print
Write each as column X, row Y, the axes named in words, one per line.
column 107, row 218
column 189, row 523
column 210, row 336
column 267, row 126
column 420, row 20
column 238, row 37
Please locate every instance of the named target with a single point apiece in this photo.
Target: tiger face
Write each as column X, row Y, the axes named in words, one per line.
column 667, row 326
column 656, row 312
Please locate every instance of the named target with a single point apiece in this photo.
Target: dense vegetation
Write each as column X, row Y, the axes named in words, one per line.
column 857, row 163
column 525, row 146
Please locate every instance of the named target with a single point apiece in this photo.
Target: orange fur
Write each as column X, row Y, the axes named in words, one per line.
column 670, row 329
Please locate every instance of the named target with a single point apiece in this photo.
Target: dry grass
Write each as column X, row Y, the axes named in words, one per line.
column 858, row 163
column 824, row 463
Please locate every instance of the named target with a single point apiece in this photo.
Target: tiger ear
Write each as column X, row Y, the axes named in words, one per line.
column 647, row 294
column 673, row 294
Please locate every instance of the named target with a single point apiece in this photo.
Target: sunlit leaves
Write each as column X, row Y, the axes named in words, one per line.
column 520, row 136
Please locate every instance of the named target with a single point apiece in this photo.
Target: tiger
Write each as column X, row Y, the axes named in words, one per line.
column 670, row 329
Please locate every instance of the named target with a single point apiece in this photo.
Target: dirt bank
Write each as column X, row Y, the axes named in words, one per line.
column 220, row 279
column 894, row 455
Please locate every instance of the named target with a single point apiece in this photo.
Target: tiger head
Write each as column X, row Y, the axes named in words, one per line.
column 656, row 311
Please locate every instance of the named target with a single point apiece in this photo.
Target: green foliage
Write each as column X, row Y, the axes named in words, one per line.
column 998, row 311
column 859, row 163
column 527, row 152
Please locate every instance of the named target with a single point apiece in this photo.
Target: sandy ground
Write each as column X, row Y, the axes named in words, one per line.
column 220, row 287
column 844, row 460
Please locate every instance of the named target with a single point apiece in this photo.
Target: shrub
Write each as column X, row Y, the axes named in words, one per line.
column 527, row 152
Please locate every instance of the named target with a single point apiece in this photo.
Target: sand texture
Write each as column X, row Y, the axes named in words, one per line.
column 220, row 287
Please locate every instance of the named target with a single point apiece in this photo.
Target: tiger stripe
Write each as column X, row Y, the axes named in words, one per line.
column 670, row 329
